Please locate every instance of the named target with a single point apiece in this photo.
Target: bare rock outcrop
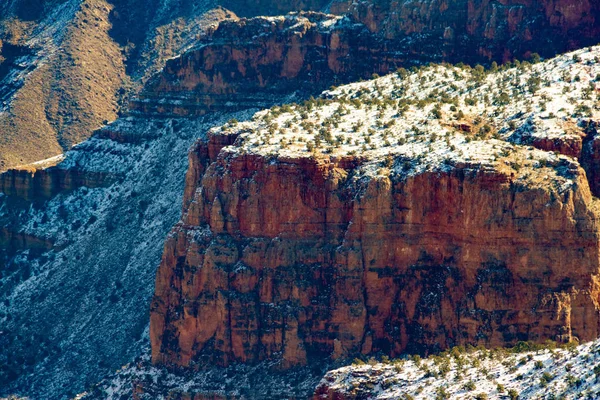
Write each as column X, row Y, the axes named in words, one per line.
column 296, row 258
column 248, row 63
column 44, row 184
column 493, row 30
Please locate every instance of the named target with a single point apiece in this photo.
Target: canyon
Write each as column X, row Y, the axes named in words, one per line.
column 331, row 230
column 288, row 253
column 299, row 245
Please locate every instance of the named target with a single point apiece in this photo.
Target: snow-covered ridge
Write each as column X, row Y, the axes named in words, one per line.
column 549, row 372
column 439, row 116
column 524, row 372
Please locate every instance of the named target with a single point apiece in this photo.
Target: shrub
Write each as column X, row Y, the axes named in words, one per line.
column 582, row 110
column 442, row 393
column 388, row 163
column 436, row 113
column 546, row 377
column 416, row 359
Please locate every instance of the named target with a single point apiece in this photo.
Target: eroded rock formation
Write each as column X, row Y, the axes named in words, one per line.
column 294, row 258
column 301, row 258
column 46, row 183
column 470, row 30
column 248, row 63
column 295, row 243
column 244, row 63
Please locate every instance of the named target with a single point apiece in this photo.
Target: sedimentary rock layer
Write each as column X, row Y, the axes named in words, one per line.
column 46, row 183
column 302, row 258
column 247, row 63
column 470, row 30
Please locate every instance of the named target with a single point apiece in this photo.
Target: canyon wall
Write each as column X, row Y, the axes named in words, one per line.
column 46, row 183
column 247, row 63
column 268, row 271
column 468, row 30
column 296, row 259
column 243, row 62
column 300, row 259
column 76, row 63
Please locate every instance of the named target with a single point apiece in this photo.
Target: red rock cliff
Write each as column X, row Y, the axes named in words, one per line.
column 301, row 258
column 45, row 183
column 249, row 63
column 471, row 30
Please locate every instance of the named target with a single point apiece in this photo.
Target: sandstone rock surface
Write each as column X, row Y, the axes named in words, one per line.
column 246, row 63
column 287, row 259
column 290, row 254
column 470, row 29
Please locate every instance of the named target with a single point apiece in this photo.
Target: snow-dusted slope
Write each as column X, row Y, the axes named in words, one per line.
column 525, row 372
column 71, row 314
column 547, row 373
column 551, row 99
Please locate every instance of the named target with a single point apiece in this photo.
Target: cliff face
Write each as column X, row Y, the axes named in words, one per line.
column 496, row 30
column 294, row 248
column 304, row 258
column 46, row 183
column 245, row 63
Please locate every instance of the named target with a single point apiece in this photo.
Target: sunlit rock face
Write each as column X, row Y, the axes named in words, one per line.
column 337, row 228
